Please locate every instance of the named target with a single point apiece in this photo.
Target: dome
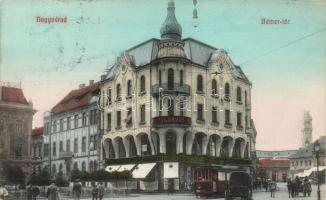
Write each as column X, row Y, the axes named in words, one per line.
column 171, row 29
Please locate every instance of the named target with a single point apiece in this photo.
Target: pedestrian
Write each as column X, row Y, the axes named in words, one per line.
column 289, row 186
column 94, row 192
column 29, row 193
column 101, row 191
column 52, row 192
column 3, row 191
column 35, row 192
column 77, row 189
column 272, row 188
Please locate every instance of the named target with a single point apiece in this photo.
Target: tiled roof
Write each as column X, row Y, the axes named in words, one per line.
column 269, row 163
column 37, row 131
column 77, row 98
column 13, row 95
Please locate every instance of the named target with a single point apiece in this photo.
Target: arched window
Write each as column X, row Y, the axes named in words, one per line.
column 214, row 87
column 91, row 166
column 170, row 79
column 181, row 77
column 142, row 84
column 54, row 169
column 239, row 94
column 246, row 100
column 160, row 77
column 75, row 166
column 118, row 91
column 199, row 83
column 83, row 166
column 60, row 168
column 95, row 165
column 227, row 89
column 129, row 88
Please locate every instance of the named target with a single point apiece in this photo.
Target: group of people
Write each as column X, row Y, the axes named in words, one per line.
column 97, row 191
column 266, row 184
column 32, row 192
column 296, row 186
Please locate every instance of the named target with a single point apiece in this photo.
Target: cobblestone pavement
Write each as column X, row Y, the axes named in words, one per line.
column 281, row 194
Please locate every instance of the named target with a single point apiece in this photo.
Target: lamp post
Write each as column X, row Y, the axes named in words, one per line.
column 316, row 151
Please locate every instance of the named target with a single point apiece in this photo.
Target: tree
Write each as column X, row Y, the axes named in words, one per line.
column 14, row 174
column 42, row 178
column 61, row 181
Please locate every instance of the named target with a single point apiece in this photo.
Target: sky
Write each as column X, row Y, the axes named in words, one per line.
column 286, row 63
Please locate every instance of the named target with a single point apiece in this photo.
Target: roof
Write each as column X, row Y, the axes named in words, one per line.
column 196, row 51
column 270, row 163
column 37, row 131
column 13, row 95
column 275, row 154
column 77, row 98
column 308, row 151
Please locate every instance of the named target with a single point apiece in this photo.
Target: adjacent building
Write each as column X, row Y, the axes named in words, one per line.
column 275, row 169
column 171, row 104
column 71, row 132
column 16, row 116
column 37, row 148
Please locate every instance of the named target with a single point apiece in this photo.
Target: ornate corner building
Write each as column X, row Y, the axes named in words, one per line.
column 16, row 116
column 172, row 104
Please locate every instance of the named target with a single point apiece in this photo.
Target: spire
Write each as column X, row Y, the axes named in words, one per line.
column 171, row 29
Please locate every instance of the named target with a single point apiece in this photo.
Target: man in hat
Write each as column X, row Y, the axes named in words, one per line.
column 52, row 192
column 3, row 191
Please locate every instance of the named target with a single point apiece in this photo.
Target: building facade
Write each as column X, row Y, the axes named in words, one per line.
column 16, row 116
column 37, row 149
column 71, row 132
column 305, row 159
column 171, row 102
column 275, row 169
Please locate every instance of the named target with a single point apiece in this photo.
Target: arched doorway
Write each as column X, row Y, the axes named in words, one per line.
column 212, row 145
column 145, row 146
column 171, row 143
column 108, row 147
column 120, row 147
column 225, row 147
column 156, row 142
column 238, row 145
column 197, row 147
column 186, row 142
column 132, row 146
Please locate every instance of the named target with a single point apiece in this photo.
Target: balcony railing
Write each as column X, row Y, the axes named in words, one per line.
column 171, row 120
column 170, row 89
column 66, row 155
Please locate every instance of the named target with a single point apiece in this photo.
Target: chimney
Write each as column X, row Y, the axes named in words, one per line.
column 91, row 82
column 81, row 86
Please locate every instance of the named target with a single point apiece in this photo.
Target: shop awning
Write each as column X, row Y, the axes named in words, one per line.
column 171, row 170
column 112, row 168
column 126, row 167
column 142, row 170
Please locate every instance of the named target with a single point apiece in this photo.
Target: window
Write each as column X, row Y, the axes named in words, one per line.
column 76, row 121
column 142, row 114
column 246, row 100
column 19, row 151
column 129, row 116
column 309, row 162
column 142, row 84
column 171, row 108
column 118, row 119
column 93, row 117
column 68, row 123
column 200, row 83
column 227, row 117
column 83, row 166
column 200, row 112
column 109, row 121
column 182, row 106
column 160, row 77
column 95, row 143
column 83, row 144
column 61, row 146
column 227, row 90
column 47, row 128
column 129, row 88
column 109, row 96
column 84, row 119
column 61, row 124
column 181, row 77
column 46, row 150
column 1, row 126
column 170, row 79
column 91, row 142
column 239, row 121
column 239, row 99
column 54, row 126
column 76, row 145
column 54, row 149
column 19, row 126
column 118, row 92
column 214, row 87
column 214, row 114
column 68, row 146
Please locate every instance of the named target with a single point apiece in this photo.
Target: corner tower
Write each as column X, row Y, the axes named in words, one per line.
column 307, row 129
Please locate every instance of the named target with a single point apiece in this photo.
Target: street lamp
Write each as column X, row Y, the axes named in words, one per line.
column 316, row 151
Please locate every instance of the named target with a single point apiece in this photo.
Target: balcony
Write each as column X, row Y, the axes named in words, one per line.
column 228, row 125
column 66, row 155
column 176, row 88
column 162, row 121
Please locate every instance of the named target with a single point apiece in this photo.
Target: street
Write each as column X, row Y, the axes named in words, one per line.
column 281, row 194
